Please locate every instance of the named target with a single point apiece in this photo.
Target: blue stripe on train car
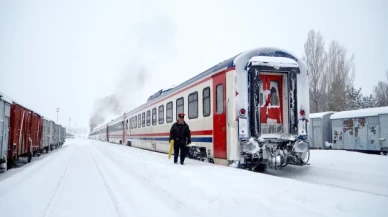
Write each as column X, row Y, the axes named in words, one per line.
column 193, row 139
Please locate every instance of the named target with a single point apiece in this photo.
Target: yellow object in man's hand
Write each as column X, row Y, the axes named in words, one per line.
column 171, row 148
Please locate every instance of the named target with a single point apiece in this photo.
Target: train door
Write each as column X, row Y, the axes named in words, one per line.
column 384, row 131
column 123, row 131
column 219, row 116
column 271, row 104
column 317, row 132
column 107, row 133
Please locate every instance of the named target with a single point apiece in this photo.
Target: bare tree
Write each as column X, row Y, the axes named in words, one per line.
column 314, row 56
column 339, row 75
column 381, row 92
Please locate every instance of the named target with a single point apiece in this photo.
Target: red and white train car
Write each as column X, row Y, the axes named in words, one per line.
column 250, row 110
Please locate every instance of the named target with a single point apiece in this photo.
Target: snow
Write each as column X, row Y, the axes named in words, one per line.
column 5, row 97
column 360, row 113
column 320, row 114
column 93, row 178
column 276, row 62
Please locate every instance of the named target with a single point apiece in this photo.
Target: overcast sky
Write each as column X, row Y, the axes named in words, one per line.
column 67, row 54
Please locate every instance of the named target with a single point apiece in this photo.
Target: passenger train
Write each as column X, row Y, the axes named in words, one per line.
column 250, row 111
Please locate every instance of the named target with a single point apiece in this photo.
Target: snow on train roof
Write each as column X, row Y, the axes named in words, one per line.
column 240, row 61
column 360, row 113
column 275, row 62
column 5, row 97
column 319, row 114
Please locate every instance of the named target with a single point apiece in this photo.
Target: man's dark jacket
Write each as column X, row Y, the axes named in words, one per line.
column 179, row 133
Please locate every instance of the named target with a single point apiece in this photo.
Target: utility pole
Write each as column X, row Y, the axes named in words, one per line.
column 57, row 114
column 69, row 124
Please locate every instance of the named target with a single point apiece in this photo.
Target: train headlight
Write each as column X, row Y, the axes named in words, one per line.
column 301, row 146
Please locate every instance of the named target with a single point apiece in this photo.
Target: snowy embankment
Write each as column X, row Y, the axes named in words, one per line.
column 92, row 178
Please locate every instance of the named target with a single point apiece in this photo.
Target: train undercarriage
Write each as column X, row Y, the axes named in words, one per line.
column 260, row 154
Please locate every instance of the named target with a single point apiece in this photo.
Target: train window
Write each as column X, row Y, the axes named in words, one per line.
column 143, row 119
column 220, row 98
column 261, row 95
column 139, row 120
column 206, row 102
column 126, row 126
column 135, row 122
column 193, row 105
column 161, row 114
column 148, row 118
column 274, row 93
column 169, row 112
column 154, row 116
column 179, row 106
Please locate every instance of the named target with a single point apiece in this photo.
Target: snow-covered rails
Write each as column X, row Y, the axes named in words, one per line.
column 258, row 96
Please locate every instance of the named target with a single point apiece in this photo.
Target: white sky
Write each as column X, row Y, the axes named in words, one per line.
column 68, row 53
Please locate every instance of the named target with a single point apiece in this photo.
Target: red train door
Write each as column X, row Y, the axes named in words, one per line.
column 123, row 127
column 271, row 103
column 219, row 115
column 107, row 133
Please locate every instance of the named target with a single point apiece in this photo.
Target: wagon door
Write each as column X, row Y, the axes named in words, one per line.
column 373, row 129
column 317, row 133
column 219, row 116
column 384, row 131
column 271, row 104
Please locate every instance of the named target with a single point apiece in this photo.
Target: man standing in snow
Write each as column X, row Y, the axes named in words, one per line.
column 180, row 133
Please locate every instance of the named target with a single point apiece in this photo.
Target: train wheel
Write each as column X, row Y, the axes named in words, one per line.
column 261, row 168
column 29, row 158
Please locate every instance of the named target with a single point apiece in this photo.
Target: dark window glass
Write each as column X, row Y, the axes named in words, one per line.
column 148, row 118
column 154, row 116
column 143, row 119
column 135, row 121
column 161, row 114
column 179, row 106
column 193, row 105
column 220, row 98
column 169, row 112
column 206, row 101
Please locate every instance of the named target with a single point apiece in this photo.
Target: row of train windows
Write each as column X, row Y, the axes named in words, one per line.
column 145, row 118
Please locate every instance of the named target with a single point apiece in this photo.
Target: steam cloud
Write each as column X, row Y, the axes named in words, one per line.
column 155, row 38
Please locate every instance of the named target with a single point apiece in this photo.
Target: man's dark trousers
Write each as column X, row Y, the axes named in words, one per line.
column 182, row 148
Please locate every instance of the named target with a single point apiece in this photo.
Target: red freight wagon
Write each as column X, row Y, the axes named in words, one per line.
column 20, row 142
column 36, row 133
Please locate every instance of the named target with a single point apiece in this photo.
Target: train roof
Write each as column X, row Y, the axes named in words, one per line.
column 320, row 114
column 360, row 113
column 239, row 61
column 5, row 98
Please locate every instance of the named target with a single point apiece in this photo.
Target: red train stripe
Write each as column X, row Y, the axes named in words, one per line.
column 193, row 133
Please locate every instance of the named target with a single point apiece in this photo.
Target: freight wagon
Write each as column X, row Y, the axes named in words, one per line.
column 363, row 130
column 250, row 110
column 5, row 109
column 24, row 133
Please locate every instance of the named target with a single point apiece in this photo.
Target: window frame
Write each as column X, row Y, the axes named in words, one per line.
column 172, row 112
column 203, row 102
column 154, row 112
column 135, row 121
column 176, row 106
column 148, row 118
column 143, row 121
column 139, row 120
column 192, row 101
column 222, row 102
column 161, row 114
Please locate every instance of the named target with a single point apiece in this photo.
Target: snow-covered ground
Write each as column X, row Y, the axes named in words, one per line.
column 92, row 178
